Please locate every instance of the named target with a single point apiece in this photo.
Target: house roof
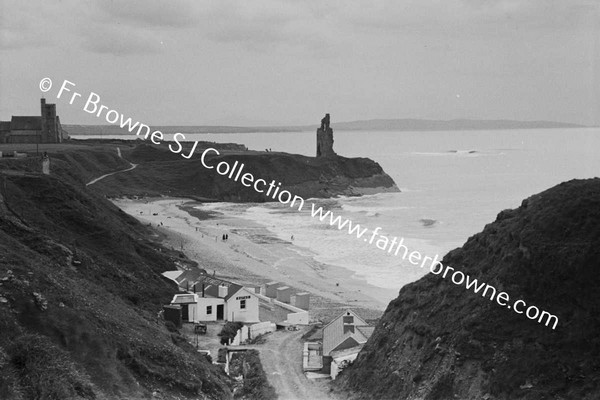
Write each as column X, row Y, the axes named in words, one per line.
column 197, row 280
column 172, row 274
column 188, row 278
column 4, row 125
column 211, row 286
column 345, row 352
column 367, row 331
column 344, row 313
column 348, row 343
column 187, row 298
column 335, row 334
column 26, row 123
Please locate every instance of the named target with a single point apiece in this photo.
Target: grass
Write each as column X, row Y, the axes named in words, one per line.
column 91, row 331
column 255, row 383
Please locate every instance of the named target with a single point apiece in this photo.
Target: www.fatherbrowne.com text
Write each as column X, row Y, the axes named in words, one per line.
column 395, row 246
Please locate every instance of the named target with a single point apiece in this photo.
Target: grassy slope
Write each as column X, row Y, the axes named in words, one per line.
column 438, row 341
column 161, row 171
column 88, row 331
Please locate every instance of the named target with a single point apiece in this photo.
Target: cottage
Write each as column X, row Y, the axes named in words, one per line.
column 343, row 338
column 209, row 298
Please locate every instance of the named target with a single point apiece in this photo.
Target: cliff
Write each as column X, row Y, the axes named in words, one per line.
column 440, row 341
column 160, row 172
column 80, row 289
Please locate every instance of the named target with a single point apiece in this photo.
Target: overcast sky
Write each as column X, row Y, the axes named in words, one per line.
column 288, row 62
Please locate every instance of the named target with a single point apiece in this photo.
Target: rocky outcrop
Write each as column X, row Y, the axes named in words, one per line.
column 164, row 173
column 325, row 142
column 439, row 341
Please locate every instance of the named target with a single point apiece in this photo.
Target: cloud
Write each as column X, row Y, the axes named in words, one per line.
column 469, row 17
column 122, row 27
column 120, row 41
column 20, row 24
column 149, row 14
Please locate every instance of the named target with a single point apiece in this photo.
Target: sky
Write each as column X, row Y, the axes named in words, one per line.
column 285, row 62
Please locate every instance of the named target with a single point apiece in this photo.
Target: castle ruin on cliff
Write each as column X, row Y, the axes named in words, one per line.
column 325, row 139
column 45, row 128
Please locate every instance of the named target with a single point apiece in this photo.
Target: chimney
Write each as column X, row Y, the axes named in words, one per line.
column 223, row 291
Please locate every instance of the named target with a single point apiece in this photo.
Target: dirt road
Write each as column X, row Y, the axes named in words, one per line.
column 281, row 357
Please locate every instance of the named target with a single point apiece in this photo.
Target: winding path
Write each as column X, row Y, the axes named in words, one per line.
column 281, row 359
column 133, row 166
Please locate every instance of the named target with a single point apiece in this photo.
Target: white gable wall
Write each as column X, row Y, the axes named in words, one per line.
column 234, row 310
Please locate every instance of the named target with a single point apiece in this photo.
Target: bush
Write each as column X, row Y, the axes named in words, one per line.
column 256, row 384
column 229, row 331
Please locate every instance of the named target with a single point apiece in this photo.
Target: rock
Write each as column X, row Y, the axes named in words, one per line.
column 527, row 385
column 40, row 301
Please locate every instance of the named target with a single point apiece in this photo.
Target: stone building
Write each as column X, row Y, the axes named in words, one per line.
column 34, row 129
column 325, row 139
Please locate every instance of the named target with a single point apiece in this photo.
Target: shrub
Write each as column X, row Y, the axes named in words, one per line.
column 256, row 384
column 229, row 331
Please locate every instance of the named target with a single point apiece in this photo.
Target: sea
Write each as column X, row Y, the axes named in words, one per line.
column 452, row 184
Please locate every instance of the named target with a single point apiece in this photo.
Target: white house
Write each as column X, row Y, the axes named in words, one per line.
column 213, row 299
column 343, row 338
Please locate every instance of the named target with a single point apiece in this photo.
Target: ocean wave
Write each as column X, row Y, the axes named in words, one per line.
column 370, row 210
column 458, row 153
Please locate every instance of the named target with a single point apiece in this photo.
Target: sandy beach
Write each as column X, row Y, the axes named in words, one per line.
column 253, row 256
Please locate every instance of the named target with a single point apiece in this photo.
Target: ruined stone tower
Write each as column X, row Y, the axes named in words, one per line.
column 51, row 129
column 325, row 139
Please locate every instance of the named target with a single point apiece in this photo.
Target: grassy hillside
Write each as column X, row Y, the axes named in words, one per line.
column 80, row 289
column 161, row 172
column 439, row 341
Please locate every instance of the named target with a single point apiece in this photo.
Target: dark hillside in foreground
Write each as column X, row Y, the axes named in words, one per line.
column 438, row 341
column 80, row 288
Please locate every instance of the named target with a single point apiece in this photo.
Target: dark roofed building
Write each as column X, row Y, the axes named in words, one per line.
column 45, row 128
column 343, row 338
column 209, row 298
column 26, row 123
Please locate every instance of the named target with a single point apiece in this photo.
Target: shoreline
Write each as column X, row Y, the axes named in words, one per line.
column 253, row 256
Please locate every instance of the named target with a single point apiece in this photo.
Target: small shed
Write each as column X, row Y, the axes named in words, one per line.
column 271, row 289
column 302, row 300
column 283, row 294
column 173, row 314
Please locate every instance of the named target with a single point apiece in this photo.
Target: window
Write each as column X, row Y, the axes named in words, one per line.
column 348, row 321
column 208, row 310
column 242, row 304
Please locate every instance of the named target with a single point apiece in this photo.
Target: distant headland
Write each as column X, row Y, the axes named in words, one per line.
column 362, row 125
